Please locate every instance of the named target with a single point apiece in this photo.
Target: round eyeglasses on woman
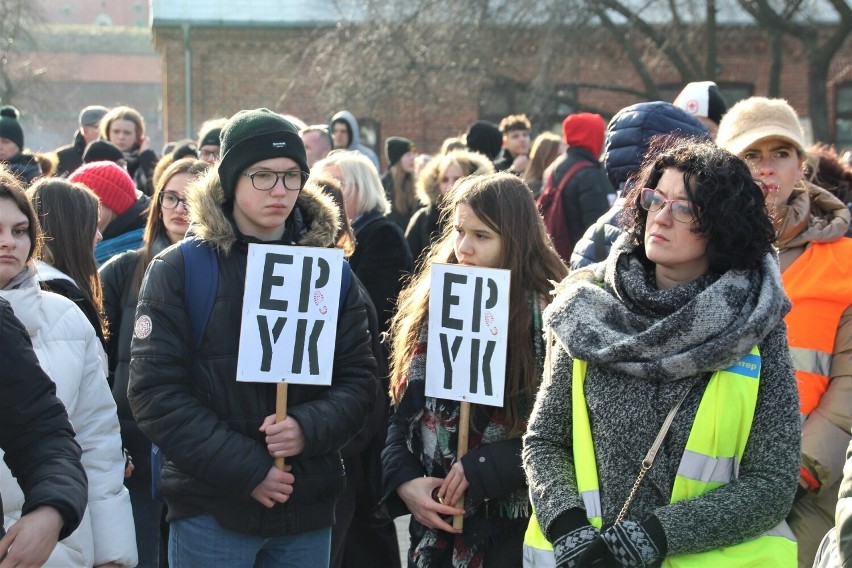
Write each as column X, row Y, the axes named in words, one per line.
column 171, row 201
column 264, row 180
column 681, row 209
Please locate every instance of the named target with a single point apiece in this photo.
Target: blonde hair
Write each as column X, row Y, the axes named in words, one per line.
column 359, row 179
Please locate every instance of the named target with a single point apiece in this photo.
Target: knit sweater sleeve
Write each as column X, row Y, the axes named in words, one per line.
column 762, row 495
column 547, row 455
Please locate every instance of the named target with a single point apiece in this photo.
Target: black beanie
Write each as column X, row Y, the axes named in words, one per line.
column 484, row 137
column 210, row 137
column 717, row 106
column 10, row 128
column 254, row 135
column 102, row 150
column 185, row 148
column 396, row 147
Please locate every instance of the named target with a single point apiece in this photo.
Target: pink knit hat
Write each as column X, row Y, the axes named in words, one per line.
column 110, row 182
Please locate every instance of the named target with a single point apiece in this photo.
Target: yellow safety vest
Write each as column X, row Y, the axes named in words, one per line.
column 711, row 459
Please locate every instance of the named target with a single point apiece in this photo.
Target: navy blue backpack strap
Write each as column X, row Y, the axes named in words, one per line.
column 201, row 281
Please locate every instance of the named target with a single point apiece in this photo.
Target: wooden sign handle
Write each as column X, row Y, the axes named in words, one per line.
column 281, row 414
column 464, row 429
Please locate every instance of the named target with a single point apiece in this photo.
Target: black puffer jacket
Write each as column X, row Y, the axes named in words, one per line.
column 190, row 404
column 35, row 434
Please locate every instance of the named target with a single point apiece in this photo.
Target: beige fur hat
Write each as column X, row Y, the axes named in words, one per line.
column 756, row 118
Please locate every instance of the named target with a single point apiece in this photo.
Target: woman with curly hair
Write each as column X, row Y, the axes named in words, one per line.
column 437, row 177
column 493, row 222
column 668, row 371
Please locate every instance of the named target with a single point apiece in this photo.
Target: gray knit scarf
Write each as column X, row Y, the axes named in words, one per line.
column 613, row 315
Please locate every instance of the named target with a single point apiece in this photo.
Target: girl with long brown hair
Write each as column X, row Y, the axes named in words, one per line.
column 68, row 215
column 492, row 222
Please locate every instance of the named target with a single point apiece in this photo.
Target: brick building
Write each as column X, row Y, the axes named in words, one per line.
column 235, row 62
column 89, row 52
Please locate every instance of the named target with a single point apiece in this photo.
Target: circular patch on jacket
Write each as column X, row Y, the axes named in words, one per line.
column 143, row 326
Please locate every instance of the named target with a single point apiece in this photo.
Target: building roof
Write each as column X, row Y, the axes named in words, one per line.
column 310, row 13
column 278, row 13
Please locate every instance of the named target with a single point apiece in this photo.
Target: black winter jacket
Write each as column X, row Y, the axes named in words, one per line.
column 585, row 197
column 25, row 166
column 423, row 231
column 206, row 423
column 35, row 434
column 70, row 156
column 381, row 260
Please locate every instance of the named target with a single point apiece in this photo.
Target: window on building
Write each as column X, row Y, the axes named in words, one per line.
column 506, row 97
column 843, row 116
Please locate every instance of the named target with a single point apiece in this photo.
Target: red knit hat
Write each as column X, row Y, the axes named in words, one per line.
column 585, row 130
column 110, row 182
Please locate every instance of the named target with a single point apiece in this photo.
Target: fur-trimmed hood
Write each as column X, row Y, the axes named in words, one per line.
column 315, row 212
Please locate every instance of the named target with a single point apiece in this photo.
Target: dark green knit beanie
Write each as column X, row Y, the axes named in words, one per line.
column 10, row 128
column 254, row 135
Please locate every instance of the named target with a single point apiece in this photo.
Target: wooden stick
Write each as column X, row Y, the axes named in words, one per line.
column 464, row 429
column 280, row 413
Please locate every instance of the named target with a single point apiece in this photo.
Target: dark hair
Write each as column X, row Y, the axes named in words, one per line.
column 11, row 188
column 154, row 228
column 729, row 204
column 68, row 215
column 831, row 173
column 504, row 203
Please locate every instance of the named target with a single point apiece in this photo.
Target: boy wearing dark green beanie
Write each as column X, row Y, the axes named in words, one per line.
column 219, row 436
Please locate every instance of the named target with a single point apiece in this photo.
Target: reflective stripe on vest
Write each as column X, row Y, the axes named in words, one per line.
column 712, row 456
column 819, row 284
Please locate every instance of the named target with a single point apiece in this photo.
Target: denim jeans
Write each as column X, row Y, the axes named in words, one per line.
column 201, row 541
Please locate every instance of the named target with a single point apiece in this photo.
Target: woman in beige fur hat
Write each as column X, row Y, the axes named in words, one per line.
column 817, row 274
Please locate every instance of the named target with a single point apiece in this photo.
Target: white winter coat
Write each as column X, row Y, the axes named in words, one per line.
column 68, row 350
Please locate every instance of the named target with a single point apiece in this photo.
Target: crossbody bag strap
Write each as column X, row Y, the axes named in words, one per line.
column 651, row 455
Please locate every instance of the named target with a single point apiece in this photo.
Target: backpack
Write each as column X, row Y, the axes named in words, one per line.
column 201, row 282
column 550, row 204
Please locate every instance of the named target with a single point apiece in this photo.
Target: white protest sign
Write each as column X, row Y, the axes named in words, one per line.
column 290, row 307
column 468, row 326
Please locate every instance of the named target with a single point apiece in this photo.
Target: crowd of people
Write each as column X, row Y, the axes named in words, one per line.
column 678, row 373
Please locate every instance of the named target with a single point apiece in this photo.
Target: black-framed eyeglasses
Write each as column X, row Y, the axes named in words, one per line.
column 264, row 180
column 681, row 209
column 171, row 201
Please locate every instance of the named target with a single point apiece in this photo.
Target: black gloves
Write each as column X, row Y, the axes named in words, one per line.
column 630, row 544
column 568, row 547
column 626, row 544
